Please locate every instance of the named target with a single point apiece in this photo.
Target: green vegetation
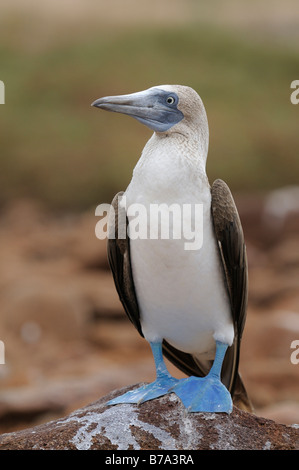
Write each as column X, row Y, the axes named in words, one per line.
column 55, row 147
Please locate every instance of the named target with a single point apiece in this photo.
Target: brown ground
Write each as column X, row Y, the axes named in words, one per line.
column 68, row 342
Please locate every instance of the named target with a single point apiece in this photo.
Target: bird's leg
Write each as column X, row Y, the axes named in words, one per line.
column 162, row 385
column 161, row 369
column 206, row 394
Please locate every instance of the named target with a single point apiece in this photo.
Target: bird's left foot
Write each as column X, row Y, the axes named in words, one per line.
column 161, row 386
column 204, row 394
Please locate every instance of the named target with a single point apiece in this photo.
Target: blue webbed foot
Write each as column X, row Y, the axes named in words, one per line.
column 204, row 394
column 198, row 394
column 161, row 386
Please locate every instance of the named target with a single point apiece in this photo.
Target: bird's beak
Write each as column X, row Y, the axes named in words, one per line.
column 149, row 107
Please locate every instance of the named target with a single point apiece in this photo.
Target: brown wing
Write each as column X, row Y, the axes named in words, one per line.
column 232, row 249
column 229, row 234
column 119, row 259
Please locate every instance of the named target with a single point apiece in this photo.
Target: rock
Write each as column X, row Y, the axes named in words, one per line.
column 154, row 425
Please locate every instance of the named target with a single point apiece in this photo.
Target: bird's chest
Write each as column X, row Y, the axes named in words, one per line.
column 175, row 259
column 180, row 292
column 170, row 226
column 174, row 255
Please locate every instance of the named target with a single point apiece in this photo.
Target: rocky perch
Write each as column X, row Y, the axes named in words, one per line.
column 155, row 425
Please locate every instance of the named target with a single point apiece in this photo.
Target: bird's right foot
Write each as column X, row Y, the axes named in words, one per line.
column 161, row 386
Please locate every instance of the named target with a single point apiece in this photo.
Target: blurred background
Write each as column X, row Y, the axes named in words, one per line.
column 67, row 339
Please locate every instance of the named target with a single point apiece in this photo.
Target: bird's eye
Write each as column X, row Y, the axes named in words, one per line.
column 170, row 100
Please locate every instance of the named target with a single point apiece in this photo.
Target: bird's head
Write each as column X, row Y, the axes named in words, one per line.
column 166, row 109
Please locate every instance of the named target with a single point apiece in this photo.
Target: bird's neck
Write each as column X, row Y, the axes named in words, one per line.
column 175, row 151
column 171, row 163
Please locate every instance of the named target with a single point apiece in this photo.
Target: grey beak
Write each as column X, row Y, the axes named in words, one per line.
column 149, row 107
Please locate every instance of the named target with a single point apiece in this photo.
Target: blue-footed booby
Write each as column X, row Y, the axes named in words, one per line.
column 190, row 305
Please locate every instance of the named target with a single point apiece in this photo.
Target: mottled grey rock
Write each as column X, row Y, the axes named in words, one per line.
column 156, row 425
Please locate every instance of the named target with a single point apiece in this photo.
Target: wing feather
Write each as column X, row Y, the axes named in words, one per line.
column 118, row 249
column 229, row 234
